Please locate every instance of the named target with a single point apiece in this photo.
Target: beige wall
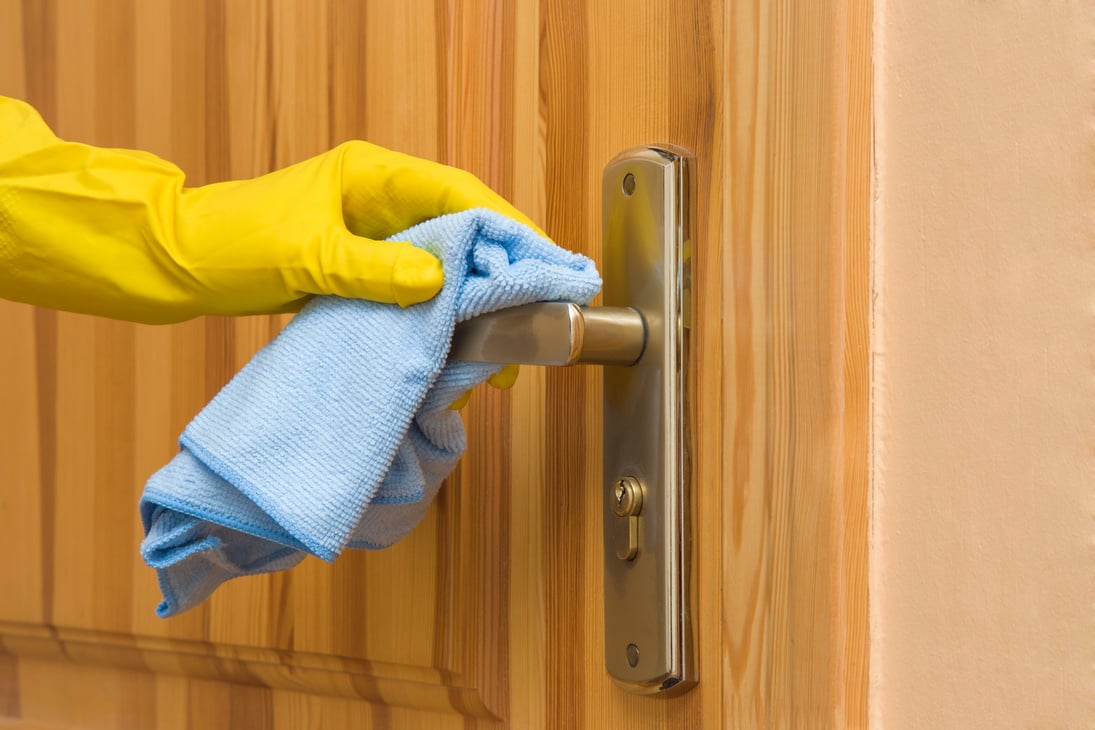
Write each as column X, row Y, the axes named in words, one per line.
column 981, row 554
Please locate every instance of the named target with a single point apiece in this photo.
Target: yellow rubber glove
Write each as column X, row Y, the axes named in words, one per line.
column 502, row 380
column 115, row 232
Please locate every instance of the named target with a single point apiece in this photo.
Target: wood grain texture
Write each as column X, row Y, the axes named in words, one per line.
column 490, row 613
column 793, row 429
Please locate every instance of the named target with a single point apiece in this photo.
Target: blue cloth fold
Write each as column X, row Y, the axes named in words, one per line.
column 338, row 433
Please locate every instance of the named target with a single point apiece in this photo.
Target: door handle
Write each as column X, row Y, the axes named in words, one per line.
column 552, row 333
column 641, row 337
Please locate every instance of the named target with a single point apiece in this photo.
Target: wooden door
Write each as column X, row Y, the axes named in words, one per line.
column 490, row 612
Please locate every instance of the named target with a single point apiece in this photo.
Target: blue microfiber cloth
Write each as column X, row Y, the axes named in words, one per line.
column 338, row 433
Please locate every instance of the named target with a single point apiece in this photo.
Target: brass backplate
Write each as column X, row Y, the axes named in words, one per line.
column 648, row 641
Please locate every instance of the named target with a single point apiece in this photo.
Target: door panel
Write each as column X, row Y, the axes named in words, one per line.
column 490, row 612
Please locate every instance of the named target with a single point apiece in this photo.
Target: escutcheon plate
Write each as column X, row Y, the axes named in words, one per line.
column 648, row 641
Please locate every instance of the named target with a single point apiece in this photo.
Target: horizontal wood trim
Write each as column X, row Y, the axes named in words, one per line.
column 28, row 725
column 399, row 685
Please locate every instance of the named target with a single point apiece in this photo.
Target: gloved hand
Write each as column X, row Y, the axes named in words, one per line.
column 115, row 232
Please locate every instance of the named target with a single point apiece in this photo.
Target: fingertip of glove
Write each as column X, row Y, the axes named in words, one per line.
column 460, row 402
column 417, row 276
column 505, row 378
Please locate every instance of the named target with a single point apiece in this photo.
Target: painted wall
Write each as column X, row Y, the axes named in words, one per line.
column 982, row 539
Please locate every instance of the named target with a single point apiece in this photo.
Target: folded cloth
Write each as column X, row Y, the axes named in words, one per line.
column 338, row 432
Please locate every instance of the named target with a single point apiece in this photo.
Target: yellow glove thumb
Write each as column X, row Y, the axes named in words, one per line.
column 356, row 267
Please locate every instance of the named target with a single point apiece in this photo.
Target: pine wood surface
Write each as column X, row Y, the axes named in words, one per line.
column 490, row 613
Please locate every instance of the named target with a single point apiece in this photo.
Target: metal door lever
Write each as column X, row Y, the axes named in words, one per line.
column 553, row 333
column 642, row 337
